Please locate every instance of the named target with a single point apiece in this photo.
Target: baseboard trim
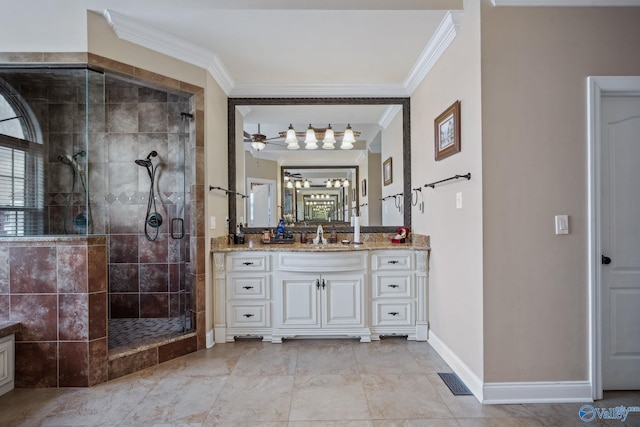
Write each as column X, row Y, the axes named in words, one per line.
column 468, row 377
column 537, row 392
column 210, row 339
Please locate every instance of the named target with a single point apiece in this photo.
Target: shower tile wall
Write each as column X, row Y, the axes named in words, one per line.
column 145, row 276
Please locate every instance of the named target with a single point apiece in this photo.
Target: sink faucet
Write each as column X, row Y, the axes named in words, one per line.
column 319, row 239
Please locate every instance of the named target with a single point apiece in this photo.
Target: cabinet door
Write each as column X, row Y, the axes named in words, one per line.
column 299, row 298
column 342, row 300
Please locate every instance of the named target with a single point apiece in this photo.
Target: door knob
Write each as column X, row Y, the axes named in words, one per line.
column 606, row 260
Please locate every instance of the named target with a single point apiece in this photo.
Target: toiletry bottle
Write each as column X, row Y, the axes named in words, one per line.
column 280, row 229
column 334, row 236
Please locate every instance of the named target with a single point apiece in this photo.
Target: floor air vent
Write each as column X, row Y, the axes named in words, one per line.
column 455, row 384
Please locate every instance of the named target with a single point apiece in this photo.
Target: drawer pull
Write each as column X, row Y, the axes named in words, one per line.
column 248, row 315
column 393, row 286
column 393, row 313
column 247, row 287
column 393, row 261
column 318, row 283
column 248, row 263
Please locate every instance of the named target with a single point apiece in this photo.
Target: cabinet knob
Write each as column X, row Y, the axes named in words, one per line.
column 393, row 261
column 393, row 313
column 248, row 287
column 248, row 263
column 248, row 315
column 393, row 286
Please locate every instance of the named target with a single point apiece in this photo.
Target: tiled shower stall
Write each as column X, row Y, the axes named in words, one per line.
column 91, row 126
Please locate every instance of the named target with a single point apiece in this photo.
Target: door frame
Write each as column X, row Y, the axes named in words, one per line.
column 598, row 86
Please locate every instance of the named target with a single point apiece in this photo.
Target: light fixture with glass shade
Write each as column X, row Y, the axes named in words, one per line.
column 311, row 142
column 329, row 183
column 298, row 184
column 289, row 184
column 326, row 135
column 306, row 183
column 329, row 139
column 291, row 140
column 348, row 139
column 345, row 183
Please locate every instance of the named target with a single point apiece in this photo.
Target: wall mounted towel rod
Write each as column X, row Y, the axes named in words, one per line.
column 433, row 184
column 211, row 187
column 393, row 196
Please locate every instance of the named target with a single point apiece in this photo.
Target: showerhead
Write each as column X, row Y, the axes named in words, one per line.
column 65, row 160
column 146, row 162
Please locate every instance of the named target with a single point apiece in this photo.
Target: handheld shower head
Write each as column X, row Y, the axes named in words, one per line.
column 65, row 160
column 145, row 163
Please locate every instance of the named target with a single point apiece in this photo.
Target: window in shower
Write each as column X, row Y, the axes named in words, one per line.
column 21, row 176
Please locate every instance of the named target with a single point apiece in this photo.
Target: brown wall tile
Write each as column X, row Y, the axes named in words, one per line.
column 154, row 305
column 72, row 269
column 32, row 270
column 36, row 364
column 98, row 361
column 4, row 271
column 38, row 315
column 97, row 268
column 98, row 315
column 74, row 364
column 124, row 305
column 73, row 317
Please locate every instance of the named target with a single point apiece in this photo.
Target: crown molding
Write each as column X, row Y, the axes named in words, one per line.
column 130, row 30
column 564, row 3
column 388, row 115
column 318, row 90
column 440, row 41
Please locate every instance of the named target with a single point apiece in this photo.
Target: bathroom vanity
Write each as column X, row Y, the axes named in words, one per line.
column 317, row 291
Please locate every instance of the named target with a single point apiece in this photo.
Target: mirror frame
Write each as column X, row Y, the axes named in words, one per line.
column 232, row 103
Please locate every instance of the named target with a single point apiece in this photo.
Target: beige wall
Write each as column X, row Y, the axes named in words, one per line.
column 255, row 167
column 455, row 278
column 535, row 62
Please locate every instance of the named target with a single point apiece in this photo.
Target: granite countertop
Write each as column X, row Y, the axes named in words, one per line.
column 309, row 247
column 9, row 328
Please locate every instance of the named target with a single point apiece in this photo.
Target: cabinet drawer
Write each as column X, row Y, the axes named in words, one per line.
column 248, row 287
column 392, row 260
column 248, row 314
column 248, row 262
column 392, row 285
column 392, row 313
column 321, row 262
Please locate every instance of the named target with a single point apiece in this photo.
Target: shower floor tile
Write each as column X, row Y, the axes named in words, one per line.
column 132, row 333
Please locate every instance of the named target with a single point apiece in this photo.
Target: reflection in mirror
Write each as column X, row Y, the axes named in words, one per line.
column 260, row 170
column 321, row 194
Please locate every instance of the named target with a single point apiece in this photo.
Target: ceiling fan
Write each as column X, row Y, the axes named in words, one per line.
column 291, row 175
column 258, row 140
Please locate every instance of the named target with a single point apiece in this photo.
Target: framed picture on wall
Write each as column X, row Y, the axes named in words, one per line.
column 387, row 171
column 363, row 190
column 447, row 132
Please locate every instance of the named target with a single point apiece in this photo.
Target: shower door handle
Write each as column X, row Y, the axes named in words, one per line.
column 179, row 224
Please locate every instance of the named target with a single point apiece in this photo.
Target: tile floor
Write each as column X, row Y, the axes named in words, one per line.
column 299, row 383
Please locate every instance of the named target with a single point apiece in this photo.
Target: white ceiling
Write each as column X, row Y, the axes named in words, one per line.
column 284, row 48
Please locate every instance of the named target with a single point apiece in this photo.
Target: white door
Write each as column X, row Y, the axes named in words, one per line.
column 620, row 231
column 342, row 300
column 261, row 203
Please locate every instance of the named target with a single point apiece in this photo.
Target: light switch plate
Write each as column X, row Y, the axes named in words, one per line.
column 459, row 200
column 562, row 224
column 212, row 222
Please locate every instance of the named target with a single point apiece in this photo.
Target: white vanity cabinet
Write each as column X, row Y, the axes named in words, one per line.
column 320, row 294
column 245, row 289
column 399, row 294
